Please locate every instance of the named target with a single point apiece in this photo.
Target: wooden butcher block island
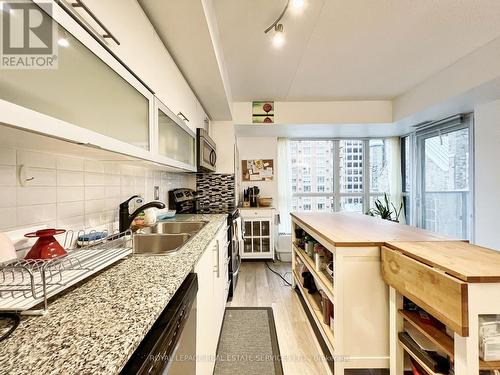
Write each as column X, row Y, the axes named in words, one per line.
column 378, row 263
column 456, row 283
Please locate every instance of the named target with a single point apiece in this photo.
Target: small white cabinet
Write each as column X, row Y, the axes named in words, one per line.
column 211, row 301
column 259, row 233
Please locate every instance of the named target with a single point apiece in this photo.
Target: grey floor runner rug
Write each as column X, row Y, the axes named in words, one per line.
column 248, row 343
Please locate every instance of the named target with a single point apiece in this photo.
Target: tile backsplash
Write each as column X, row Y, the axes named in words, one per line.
column 49, row 190
column 215, row 192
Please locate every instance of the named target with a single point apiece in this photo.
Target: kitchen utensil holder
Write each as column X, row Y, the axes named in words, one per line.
column 29, row 283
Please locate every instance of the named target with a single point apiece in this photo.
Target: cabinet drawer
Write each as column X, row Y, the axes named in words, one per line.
column 264, row 213
column 441, row 295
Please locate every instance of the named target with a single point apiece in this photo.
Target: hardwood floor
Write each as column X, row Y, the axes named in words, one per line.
column 258, row 286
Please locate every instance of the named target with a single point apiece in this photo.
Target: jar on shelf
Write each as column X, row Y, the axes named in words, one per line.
column 310, row 248
column 326, row 308
column 319, row 257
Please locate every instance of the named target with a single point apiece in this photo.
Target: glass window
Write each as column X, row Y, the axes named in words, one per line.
column 351, row 204
column 445, row 183
column 406, row 163
column 311, row 158
column 313, row 187
column 379, row 166
column 406, row 168
column 322, row 203
column 347, row 168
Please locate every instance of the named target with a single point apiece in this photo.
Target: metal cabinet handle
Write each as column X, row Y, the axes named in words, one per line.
column 235, row 273
column 217, row 266
column 184, row 118
column 108, row 34
column 213, row 158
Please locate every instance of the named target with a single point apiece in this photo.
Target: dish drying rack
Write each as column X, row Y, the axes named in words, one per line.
column 26, row 283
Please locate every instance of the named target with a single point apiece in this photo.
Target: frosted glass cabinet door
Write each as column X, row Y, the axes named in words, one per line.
column 175, row 140
column 84, row 91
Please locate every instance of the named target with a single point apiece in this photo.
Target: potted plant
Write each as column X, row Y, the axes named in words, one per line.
column 386, row 209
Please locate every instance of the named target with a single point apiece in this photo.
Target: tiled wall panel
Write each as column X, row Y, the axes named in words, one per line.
column 215, row 192
column 71, row 192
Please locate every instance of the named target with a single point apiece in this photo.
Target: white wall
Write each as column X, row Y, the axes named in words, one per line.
column 223, row 134
column 487, row 174
column 260, row 148
column 335, row 112
column 464, row 76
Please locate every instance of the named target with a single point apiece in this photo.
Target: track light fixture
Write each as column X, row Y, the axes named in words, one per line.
column 279, row 37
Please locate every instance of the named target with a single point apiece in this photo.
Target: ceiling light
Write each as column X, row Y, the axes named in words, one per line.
column 279, row 36
column 63, row 42
column 297, row 4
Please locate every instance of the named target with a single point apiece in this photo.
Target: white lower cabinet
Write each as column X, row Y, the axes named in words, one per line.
column 211, row 301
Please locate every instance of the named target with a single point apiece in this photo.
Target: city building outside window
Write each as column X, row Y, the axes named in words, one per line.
column 331, row 175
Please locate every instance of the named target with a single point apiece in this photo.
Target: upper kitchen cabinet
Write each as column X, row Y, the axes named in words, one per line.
column 175, row 139
column 89, row 97
column 84, row 91
column 102, row 91
column 141, row 49
column 202, row 118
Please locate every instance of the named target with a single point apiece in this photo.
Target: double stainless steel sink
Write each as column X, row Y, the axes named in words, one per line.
column 165, row 237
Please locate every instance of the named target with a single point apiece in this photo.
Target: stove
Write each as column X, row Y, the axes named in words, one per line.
column 185, row 201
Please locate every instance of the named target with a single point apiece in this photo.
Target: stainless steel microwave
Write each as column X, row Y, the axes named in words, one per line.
column 207, row 152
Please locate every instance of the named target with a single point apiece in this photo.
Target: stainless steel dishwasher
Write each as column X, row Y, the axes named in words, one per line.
column 170, row 345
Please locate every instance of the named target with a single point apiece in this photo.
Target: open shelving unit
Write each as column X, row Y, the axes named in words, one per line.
column 360, row 334
column 314, row 303
column 450, row 297
column 440, row 338
column 321, row 278
column 421, row 363
column 435, row 335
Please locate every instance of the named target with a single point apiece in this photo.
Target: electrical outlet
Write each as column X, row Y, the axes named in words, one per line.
column 157, row 193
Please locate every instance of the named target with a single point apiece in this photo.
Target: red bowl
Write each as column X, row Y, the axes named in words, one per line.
column 46, row 247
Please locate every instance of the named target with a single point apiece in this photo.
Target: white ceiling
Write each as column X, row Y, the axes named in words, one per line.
column 348, row 49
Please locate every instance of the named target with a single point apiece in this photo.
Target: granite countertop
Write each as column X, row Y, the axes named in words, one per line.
column 95, row 327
